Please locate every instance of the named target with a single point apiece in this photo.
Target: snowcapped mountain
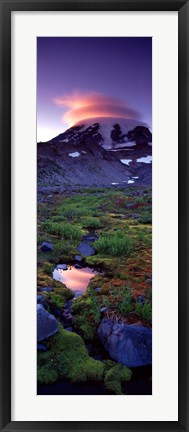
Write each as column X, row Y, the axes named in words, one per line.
column 108, row 132
column 97, row 152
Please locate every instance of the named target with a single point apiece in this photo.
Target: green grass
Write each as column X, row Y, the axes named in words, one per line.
column 86, row 315
column 65, row 230
column 125, row 303
column 146, row 218
column 114, row 244
column 48, row 268
column 123, row 254
column 92, row 222
column 144, row 311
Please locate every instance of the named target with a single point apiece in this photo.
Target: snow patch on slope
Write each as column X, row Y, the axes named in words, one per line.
column 126, row 161
column 146, row 159
column 74, row 154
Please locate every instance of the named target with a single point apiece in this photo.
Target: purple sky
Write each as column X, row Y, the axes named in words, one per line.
column 91, row 76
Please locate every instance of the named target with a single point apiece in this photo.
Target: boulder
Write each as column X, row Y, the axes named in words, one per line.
column 47, row 325
column 130, row 345
column 85, row 249
column 103, row 309
column 46, row 247
column 46, row 289
column 149, row 281
column 62, row 266
column 90, row 238
column 135, row 216
column 97, row 290
column 140, row 299
column 41, row 347
column 78, row 258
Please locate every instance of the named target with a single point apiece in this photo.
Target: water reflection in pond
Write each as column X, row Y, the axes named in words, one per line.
column 75, row 279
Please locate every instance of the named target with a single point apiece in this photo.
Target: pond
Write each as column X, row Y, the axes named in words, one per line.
column 76, row 279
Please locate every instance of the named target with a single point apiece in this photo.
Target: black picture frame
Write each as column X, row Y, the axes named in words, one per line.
column 182, row 6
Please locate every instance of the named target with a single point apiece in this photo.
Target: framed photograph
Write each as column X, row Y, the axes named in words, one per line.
column 94, row 209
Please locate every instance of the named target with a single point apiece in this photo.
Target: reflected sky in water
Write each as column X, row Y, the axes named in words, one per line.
column 75, row 279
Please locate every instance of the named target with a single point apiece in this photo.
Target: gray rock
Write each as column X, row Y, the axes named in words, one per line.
column 85, row 249
column 130, row 345
column 140, row 299
column 39, row 298
column 62, row 266
column 149, row 281
column 103, row 309
column 90, row 238
column 135, row 216
column 47, row 325
column 41, row 347
column 97, row 290
column 78, row 258
column 46, row 247
column 46, row 289
column 70, row 329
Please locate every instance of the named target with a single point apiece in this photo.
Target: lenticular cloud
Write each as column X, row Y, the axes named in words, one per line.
column 91, row 105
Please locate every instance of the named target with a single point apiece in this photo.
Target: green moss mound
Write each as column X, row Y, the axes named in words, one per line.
column 46, row 375
column 115, row 375
column 86, row 315
column 68, row 359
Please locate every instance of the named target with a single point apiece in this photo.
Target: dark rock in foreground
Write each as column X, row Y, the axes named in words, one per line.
column 41, row 347
column 127, row 344
column 90, row 238
column 47, row 325
column 85, row 249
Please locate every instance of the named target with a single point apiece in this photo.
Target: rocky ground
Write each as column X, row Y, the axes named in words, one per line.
column 102, row 337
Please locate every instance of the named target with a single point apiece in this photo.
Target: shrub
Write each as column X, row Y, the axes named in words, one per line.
column 114, row 244
column 91, row 222
column 125, row 306
column 144, row 311
column 146, row 218
column 48, row 268
column 86, row 316
column 65, row 230
column 141, row 235
column 61, row 247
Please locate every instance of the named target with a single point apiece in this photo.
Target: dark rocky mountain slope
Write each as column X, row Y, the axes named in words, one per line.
column 97, row 152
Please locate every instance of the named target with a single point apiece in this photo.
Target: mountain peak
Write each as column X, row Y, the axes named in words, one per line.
column 109, row 132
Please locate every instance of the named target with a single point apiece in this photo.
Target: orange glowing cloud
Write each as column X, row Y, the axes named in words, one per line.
column 91, row 105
